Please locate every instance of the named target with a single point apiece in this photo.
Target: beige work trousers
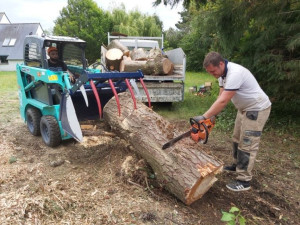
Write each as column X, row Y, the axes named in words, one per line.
column 246, row 137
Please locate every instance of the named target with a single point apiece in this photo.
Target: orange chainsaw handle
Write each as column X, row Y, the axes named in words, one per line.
column 200, row 129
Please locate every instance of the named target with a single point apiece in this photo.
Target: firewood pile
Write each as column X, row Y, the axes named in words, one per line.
column 153, row 62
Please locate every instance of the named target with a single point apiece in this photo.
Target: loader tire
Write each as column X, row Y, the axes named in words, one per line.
column 33, row 118
column 50, row 131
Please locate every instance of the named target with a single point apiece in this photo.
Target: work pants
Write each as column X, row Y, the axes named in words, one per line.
column 246, row 137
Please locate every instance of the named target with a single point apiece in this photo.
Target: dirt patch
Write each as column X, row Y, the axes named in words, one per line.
column 84, row 183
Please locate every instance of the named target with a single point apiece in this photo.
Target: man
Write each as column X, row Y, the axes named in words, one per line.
column 55, row 64
column 240, row 86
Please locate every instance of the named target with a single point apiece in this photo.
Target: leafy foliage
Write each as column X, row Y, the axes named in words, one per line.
column 263, row 36
column 186, row 3
column 172, row 38
column 233, row 217
column 83, row 19
column 135, row 23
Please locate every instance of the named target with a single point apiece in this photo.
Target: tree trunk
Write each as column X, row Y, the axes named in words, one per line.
column 157, row 66
column 128, row 65
column 154, row 52
column 138, row 54
column 117, row 44
column 113, row 58
column 184, row 169
column 160, row 66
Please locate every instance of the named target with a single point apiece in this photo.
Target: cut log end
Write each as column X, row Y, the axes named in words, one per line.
column 203, row 184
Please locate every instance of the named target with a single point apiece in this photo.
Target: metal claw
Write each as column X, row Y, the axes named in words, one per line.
column 131, row 92
column 146, row 91
column 97, row 97
column 83, row 92
column 115, row 94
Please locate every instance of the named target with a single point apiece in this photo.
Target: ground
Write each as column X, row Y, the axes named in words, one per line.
column 82, row 183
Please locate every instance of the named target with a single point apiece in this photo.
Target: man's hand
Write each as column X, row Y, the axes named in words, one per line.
column 72, row 79
column 199, row 118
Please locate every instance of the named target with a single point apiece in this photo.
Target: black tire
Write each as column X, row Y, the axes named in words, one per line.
column 33, row 118
column 50, row 131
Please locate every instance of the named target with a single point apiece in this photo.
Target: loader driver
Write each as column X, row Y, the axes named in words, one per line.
column 239, row 85
column 55, row 64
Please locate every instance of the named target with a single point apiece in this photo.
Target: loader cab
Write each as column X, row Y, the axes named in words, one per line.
column 70, row 51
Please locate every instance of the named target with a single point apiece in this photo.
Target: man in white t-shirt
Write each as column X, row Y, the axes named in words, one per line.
column 239, row 85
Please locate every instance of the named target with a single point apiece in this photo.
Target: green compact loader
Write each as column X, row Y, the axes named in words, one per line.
column 50, row 103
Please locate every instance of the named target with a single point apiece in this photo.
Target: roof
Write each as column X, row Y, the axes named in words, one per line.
column 16, row 31
column 3, row 18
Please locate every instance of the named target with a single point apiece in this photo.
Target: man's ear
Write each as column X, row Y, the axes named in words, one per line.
column 222, row 64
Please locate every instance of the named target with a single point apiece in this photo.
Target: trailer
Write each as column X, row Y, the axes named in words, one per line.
column 166, row 88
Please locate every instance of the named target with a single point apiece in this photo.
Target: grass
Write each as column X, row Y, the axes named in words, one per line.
column 8, row 96
column 8, row 81
column 194, row 105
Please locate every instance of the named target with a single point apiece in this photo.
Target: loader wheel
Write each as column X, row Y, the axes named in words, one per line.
column 33, row 118
column 50, row 131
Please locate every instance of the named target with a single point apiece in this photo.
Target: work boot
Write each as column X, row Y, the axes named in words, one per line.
column 239, row 185
column 231, row 168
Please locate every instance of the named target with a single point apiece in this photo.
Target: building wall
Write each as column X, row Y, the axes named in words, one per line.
column 10, row 66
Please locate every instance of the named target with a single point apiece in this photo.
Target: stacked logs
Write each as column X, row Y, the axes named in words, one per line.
column 120, row 58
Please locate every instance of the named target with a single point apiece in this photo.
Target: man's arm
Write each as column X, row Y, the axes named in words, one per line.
column 220, row 91
column 220, row 103
column 72, row 77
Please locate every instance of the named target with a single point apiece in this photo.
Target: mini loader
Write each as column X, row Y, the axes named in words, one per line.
column 50, row 104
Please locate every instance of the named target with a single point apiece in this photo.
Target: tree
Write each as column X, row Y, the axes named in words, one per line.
column 261, row 35
column 135, row 23
column 84, row 19
column 186, row 3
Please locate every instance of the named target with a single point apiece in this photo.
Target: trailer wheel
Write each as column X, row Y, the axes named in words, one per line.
column 50, row 131
column 33, row 118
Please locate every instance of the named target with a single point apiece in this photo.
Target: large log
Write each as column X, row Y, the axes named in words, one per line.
column 184, row 169
column 117, row 44
column 128, row 65
column 158, row 66
column 138, row 54
column 113, row 58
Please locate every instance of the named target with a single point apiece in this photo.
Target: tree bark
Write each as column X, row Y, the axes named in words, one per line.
column 133, row 66
column 160, row 66
column 138, row 54
column 184, row 169
column 154, row 52
column 117, row 44
column 157, row 66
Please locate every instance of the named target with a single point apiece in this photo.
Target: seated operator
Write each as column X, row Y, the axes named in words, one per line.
column 55, row 64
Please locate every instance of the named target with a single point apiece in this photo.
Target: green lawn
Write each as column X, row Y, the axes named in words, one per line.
column 8, row 81
column 9, row 103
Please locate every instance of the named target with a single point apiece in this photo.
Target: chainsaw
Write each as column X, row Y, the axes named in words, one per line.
column 199, row 131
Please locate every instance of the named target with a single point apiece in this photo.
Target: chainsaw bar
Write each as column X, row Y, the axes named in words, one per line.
column 174, row 140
